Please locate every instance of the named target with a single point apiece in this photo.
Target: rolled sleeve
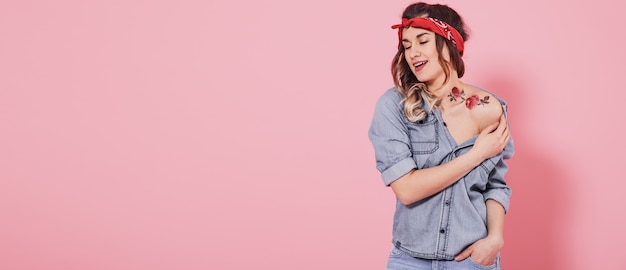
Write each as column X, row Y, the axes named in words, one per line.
column 389, row 136
column 497, row 188
column 398, row 170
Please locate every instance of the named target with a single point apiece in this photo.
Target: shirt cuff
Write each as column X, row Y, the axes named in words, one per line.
column 491, row 163
column 498, row 196
column 398, row 170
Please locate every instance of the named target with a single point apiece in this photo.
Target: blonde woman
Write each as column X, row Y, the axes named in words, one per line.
column 441, row 145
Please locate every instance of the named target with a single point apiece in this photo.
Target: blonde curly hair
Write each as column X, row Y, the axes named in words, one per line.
column 404, row 79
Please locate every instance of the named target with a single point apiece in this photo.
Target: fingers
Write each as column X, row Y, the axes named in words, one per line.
column 491, row 128
column 503, row 128
column 502, row 124
column 485, row 261
column 506, row 129
column 494, row 138
column 463, row 255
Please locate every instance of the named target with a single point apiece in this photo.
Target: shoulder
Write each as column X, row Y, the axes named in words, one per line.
column 391, row 94
column 390, row 99
column 388, row 113
column 486, row 108
column 496, row 100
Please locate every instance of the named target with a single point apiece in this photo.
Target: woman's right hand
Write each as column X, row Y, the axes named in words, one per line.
column 492, row 140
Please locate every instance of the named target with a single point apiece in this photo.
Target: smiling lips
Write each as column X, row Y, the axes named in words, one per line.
column 419, row 65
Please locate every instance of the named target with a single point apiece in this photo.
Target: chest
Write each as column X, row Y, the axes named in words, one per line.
column 461, row 123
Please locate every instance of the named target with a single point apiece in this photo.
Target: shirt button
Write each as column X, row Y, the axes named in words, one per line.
column 442, row 231
column 447, row 203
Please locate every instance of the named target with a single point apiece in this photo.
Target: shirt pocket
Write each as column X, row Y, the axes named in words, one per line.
column 424, row 136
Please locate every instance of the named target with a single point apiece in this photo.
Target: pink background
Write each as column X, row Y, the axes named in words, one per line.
column 233, row 135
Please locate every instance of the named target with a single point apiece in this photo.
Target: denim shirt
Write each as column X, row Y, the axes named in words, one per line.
column 444, row 224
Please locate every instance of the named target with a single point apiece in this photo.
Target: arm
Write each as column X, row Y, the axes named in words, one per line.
column 495, row 222
column 389, row 136
column 419, row 184
column 485, row 251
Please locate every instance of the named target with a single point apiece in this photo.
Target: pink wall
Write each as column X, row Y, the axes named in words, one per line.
column 233, row 135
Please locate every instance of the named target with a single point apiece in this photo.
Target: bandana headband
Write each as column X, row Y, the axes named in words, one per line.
column 439, row 27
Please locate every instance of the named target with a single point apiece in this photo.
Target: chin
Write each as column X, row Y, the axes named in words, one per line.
column 422, row 79
column 419, row 78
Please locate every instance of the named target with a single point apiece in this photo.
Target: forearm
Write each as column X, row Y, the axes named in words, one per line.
column 484, row 251
column 495, row 221
column 419, row 184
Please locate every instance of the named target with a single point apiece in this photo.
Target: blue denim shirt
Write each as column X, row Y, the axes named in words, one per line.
column 442, row 225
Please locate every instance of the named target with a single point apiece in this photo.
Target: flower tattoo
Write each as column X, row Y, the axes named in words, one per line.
column 456, row 93
column 475, row 100
column 470, row 102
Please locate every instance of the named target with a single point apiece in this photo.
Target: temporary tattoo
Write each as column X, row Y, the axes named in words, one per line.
column 475, row 100
column 470, row 102
column 456, row 93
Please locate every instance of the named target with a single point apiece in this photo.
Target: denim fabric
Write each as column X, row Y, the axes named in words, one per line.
column 399, row 260
column 442, row 225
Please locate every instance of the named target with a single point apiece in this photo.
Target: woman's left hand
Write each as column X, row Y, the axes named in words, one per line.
column 483, row 251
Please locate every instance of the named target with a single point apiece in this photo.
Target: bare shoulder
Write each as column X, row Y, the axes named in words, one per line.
column 484, row 108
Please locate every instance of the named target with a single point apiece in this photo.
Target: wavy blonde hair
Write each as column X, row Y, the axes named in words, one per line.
column 410, row 88
column 403, row 77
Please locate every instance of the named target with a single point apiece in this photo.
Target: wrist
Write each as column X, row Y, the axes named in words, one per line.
column 496, row 239
column 475, row 157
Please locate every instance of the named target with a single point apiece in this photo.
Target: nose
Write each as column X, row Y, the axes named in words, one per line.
column 414, row 52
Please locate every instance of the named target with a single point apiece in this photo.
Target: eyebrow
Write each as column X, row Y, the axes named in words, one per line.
column 418, row 36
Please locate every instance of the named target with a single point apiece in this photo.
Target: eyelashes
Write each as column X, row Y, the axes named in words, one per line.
column 421, row 43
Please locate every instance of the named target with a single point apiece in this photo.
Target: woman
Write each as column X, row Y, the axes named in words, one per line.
column 441, row 146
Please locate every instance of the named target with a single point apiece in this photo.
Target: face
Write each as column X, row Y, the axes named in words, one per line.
column 420, row 52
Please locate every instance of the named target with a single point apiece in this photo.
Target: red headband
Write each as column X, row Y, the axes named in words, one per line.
column 439, row 27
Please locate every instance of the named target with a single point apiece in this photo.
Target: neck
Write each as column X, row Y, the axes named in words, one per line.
column 438, row 88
